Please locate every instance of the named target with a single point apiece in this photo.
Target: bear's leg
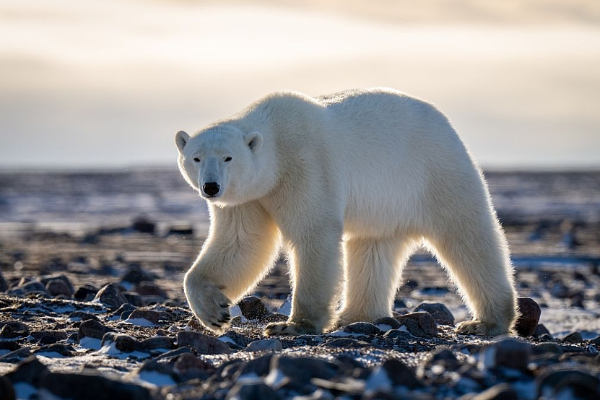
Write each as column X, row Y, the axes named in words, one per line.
column 316, row 280
column 241, row 246
column 478, row 262
column 373, row 270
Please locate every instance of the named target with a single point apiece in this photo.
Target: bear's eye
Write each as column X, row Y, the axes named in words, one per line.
column 196, row 159
column 227, row 159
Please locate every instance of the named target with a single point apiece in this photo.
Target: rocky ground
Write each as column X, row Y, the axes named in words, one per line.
column 99, row 313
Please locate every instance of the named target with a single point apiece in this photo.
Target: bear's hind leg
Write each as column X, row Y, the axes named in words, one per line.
column 478, row 262
column 373, row 271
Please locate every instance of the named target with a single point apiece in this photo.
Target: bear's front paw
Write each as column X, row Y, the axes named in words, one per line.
column 480, row 328
column 211, row 307
column 291, row 328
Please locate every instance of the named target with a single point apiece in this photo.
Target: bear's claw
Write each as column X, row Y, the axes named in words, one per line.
column 290, row 328
column 480, row 328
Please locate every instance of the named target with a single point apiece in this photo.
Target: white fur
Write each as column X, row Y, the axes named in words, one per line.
column 353, row 183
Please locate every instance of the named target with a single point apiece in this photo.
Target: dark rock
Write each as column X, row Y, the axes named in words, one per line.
column 135, row 274
column 258, row 366
column 157, row 342
column 7, row 392
column 92, row 385
column 419, row 324
column 303, row 369
column 64, row 350
column 540, row 330
column 203, row 344
column 149, row 315
column 144, row 225
column 135, row 299
column 273, row 345
column 122, row 342
column 125, row 310
column 501, row 391
column 239, row 339
column 92, row 328
column 438, row 311
column 189, row 366
column 253, row 308
column 398, row 334
column 147, row 288
column 48, row 337
column 181, row 230
column 400, row 374
column 544, row 348
column 444, row 358
column 3, row 283
column 85, row 293
column 393, row 323
column 252, row 391
column 16, row 355
column 111, row 296
column 58, row 284
column 574, row 337
column 512, row 353
column 30, row 370
column 362, row 328
column 33, row 287
column 346, row 343
column 567, row 381
column 529, row 318
column 82, row 316
column 13, row 329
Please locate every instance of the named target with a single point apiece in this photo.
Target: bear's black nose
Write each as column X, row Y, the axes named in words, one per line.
column 211, row 188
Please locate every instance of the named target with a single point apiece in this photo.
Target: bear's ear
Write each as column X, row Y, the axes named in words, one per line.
column 254, row 140
column 181, row 139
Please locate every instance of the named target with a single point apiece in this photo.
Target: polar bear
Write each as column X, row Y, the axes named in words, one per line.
column 350, row 184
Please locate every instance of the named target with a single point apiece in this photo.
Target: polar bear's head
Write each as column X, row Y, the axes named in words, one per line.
column 221, row 163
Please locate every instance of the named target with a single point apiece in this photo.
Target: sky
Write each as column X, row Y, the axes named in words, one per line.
column 107, row 84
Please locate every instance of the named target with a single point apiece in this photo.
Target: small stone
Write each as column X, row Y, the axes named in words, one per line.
column 14, row 329
column 92, row 385
column 302, row 369
column 574, row 337
column 419, row 324
column 512, row 353
column 124, row 311
column 252, row 390
column 111, row 296
column 440, row 313
column 547, row 348
column 135, row 274
column 501, row 391
column 346, row 343
column 190, row 367
column 7, row 392
column 273, row 345
column 399, row 334
column 143, row 224
column 444, row 358
column 203, row 344
column 387, row 323
column 529, row 318
column 149, row 315
column 30, row 370
column 146, row 288
column 258, row 366
column 540, row 330
column 400, row 374
column 157, row 342
column 48, row 337
column 567, row 381
column 253, row 308
column 3, row 283
column 362, row 328
column 33, row 287
column 82, row 316
column 66, row 288
column 122, row 342
column 64, row 350
column 85, row 293
column 92, row 328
